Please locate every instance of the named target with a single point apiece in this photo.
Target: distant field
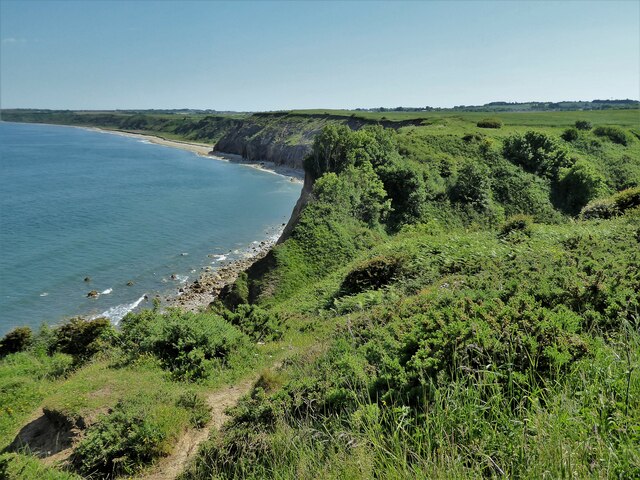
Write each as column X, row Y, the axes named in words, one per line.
column 626, row 117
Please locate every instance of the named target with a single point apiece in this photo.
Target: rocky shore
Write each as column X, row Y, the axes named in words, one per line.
column 197, row 295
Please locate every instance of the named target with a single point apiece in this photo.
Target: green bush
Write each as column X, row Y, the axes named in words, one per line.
column 583, row 125
column 236, row 293
column 613, row 206
column 131, row 436
column 472, row 186
column 577, row 186
column 16, row 340
column 82, row 338
column 517, row 223
column 257, row 323
column 570, row 135
column 191, row 346
column 615, row 134
column 490, row 123
column 536, row 152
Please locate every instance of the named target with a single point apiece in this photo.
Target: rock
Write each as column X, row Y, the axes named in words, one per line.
column 87, row 279
column 130, row 283
column 93, row 294
column 174, row 276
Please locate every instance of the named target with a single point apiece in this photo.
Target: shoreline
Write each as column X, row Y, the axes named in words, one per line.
column 199, row 294
column 207, row 151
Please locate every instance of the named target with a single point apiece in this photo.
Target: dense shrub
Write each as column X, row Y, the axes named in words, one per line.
column 406, row 188
column 357, row 192
column 612, row 206
column 257, row 323
column 582, row 125
column 570, row 135
column 517, row 224
column 131, row 436
column 82, row 338
column 16, row 340
column 522, row 192
column 615, row 134
column 236, row 293
column 472, row 186
column 536, row 152
column 577, row 186
column 191, row 346
column 490, row 123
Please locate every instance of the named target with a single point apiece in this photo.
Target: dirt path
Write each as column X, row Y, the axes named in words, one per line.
column 170, row 467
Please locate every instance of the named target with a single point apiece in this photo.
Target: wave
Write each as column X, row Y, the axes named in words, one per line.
column 182, row 278
column 117, row 313
column 107, row 291
column 44, row 294
column 220, row 258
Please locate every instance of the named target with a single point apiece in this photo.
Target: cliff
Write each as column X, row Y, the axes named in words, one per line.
column 285, row 138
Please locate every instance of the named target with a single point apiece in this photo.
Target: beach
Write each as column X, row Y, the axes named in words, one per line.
column 205, row 150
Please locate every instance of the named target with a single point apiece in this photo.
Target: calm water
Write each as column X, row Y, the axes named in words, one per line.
column 76, row 203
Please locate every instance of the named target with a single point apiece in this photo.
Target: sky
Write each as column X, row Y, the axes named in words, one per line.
column 268, row 55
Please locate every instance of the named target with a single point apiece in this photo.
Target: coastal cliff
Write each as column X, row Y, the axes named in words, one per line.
column 282, row 138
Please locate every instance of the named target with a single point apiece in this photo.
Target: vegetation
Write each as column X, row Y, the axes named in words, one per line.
column 453, row 302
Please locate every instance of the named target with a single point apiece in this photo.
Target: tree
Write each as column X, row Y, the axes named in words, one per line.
column 536, row 152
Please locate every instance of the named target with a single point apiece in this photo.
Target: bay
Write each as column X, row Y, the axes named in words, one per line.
column 78, row 203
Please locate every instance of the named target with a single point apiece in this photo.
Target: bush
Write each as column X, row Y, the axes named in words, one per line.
column 583, row 125
column 615, row 134
column 612, row 206
column 192, row 345
column 16, row 340
column 577, row 186
column 490, row 123
column 570, row 135
column 236, row 293
column 517, row 223
column 82, row 338
column 472, row 186
column 257, row 323
column 536, row 152
column 134, row 434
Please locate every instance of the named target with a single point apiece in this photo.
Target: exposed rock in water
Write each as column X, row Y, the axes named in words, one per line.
column 93, row 294
column 130, row 283
column 87, row 279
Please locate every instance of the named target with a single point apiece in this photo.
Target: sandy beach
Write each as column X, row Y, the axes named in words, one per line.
column 205, row 150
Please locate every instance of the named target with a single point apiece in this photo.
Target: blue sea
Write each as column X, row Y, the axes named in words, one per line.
column 77, row 203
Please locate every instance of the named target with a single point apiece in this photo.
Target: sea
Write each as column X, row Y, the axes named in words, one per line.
column 84, row 210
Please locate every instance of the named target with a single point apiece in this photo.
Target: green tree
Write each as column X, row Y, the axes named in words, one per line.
column 579, row 185
column 536, row 152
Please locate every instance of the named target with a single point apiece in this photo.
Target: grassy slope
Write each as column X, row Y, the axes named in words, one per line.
column 342, row 408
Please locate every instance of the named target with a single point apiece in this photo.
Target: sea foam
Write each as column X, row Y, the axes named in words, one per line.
column 117, row 313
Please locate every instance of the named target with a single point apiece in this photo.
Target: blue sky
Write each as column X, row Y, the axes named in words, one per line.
column 279, row 55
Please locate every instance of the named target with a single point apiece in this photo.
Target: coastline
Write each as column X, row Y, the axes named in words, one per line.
column 197, row 294
column 200, row 293
column 205, row 150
